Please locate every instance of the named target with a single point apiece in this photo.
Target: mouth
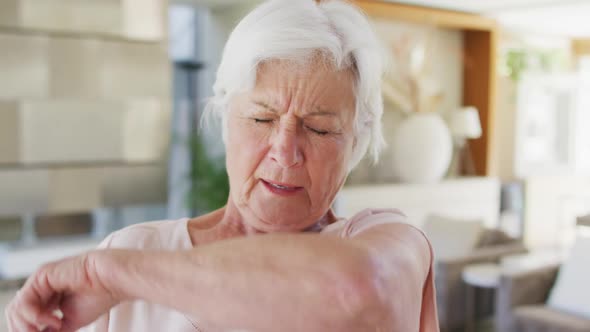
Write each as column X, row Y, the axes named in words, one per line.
column 283, row 189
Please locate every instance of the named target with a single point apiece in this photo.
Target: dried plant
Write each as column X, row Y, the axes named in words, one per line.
column 408, row 84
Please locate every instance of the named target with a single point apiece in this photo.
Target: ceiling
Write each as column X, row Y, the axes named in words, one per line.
column 488, row 6
column 565, row 18
column 212, row 3
column 560, row 18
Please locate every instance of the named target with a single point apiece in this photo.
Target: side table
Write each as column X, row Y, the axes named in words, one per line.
column 485, row 275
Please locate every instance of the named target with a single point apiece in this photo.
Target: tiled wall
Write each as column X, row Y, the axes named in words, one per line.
column 84, row 105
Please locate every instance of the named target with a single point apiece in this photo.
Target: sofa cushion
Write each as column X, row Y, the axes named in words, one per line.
column 571, row 292
column 543, row 318
column 452, row 238
column 493, row 237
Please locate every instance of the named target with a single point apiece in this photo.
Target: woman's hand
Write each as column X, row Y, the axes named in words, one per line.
column 63, row 296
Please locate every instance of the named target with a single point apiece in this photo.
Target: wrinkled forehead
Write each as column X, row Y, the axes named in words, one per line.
column 305, row 85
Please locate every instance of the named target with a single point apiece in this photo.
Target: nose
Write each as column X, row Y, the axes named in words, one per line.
column 286, row 150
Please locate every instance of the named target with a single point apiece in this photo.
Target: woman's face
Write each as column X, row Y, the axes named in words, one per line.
column 289, row 143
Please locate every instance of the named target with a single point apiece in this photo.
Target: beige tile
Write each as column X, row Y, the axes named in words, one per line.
column 146, row 130
column 70, row 131
column 9, row 12
column 135, row 70
column 145, row 19
column 79, row 189
column 23, row 191
column 9, row 132
column 39, row 67
column 44, row 14
column 102, row 16
column 134, row 185
column 74, row 190
column 24, row 66
column 63, row 132
column 133, row 19
column 75, row 66
column 111, row 70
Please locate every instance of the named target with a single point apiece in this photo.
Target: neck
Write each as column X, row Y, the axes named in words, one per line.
column 228, row 222
column 234, row 218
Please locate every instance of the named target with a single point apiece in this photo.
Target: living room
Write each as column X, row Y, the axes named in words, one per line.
column 484, row 121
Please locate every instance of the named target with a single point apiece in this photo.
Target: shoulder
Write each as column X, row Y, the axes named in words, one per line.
column 392, row 238
column 389, row 232
column 366, row 219
column 163, row 234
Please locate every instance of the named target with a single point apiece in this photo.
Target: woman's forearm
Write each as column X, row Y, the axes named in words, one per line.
column 297, row 282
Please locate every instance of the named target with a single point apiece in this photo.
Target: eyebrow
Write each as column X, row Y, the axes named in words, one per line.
column 266, row 106
column 317, row 112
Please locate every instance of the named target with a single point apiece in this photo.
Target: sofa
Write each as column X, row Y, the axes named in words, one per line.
column 456, row 245
column 547, row 299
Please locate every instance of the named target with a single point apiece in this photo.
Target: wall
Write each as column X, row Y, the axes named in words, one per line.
column 84, row 105
column 505, row 130
column 445, row 69
column 554, row 196
column 552, row 205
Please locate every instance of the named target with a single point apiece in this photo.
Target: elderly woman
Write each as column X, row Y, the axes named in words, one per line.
column 298, row 92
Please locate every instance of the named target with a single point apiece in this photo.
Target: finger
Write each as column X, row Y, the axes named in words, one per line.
column 68, row 326
column 20, row 324
column 15, row 322
column 36, row 314
column 30, row 306
column 10, row 322
column 53, row 306
column 11, row 317
column 49, row 329
column 41, row 286
column 7, row 314
column 48, row 321
column 54, row 301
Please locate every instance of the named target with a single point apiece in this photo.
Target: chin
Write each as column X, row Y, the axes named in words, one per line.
column 280, row 218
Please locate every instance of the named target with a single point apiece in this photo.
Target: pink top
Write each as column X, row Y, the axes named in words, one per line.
column 173, row 235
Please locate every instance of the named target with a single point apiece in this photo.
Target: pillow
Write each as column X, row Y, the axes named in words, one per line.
column 571, row 292
column 493, row 237
column 452, row 238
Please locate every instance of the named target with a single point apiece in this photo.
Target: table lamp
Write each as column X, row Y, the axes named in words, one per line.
column 464, row 124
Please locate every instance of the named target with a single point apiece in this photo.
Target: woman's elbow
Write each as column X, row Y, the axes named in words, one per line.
column 362, row 296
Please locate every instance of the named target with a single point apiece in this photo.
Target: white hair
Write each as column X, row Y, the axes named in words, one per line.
column 298, row 30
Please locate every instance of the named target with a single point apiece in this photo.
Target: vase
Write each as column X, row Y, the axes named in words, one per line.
column 422, row 148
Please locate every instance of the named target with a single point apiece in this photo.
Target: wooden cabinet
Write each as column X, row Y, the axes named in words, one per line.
column 581, row 47
column 479, row 65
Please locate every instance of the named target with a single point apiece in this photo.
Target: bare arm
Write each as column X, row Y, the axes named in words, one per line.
column 298, row 282
column 287, row 282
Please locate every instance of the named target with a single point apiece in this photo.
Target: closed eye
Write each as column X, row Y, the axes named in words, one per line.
column 262, row 120
column 318, row 131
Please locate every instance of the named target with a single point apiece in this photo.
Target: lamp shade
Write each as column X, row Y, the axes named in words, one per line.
column 465, row 123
